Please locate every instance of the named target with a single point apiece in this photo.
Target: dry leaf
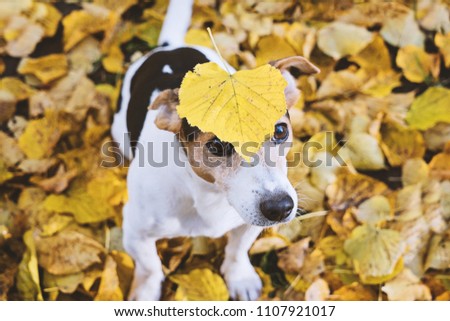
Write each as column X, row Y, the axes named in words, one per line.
column 431, row 107
column 68, row 252
column 406, row 287
column 364, row 152
column 58, row 183
column 417, row 65
column 200, row 285
column 374, row 210
column 317, row 291
column 340, row 39
column 443, row 42
column 46, row 69
column 438, row 254
column 291, row 259
column 109, row 289
column 375, row 252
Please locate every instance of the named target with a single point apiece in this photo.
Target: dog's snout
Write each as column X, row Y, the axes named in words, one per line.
column 278, row 208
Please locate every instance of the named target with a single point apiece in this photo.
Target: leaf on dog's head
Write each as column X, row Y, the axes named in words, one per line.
column 241, row 108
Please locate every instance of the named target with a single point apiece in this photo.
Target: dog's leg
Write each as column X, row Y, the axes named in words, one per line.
column 242, row 280
column 148, row 274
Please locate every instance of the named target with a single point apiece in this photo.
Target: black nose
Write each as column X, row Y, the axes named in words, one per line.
column 278, row 208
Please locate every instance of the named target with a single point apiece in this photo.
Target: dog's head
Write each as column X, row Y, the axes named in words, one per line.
column 259, row 190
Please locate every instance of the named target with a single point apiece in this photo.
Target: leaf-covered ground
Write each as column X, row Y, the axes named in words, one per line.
column 384, row 89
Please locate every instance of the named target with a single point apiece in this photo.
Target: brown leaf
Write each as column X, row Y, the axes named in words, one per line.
column 109, row 289
column 68, row 252
column 58, row 183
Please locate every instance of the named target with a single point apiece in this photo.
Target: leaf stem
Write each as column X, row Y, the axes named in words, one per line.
column 217, row 50
column 311, row 215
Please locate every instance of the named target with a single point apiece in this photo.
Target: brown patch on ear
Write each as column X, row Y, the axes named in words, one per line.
column 301, row 63
column 167, row 118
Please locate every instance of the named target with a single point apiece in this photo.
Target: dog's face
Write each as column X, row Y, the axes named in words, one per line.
column 259, row 190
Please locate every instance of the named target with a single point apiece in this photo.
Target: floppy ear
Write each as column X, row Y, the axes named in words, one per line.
column 304, row 67
column 166, row 103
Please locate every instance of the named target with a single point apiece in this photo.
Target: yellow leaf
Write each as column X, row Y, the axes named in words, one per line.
column 10, row 152
column 340, row 39
column 401, row 29
column 317, row 291
column 48, row 16
column 16, row 87
column 241, row 108
column 406, row 287
column 443, row 42
column 79, row 24
column 374, row 57
column 271, row 48
column 375, row 252
column 109, row 289
column 40, row 136
column 359, row 186
column 364, row 152
column 414, row 171
column 353, row 292
column 269, row 243
column 68, row 252
column 28, row 273
column 84, row 55
column 113, row 62
column 438, row 254
column 374, row 210
column 381, row 84
column 415, row 62
column 431, row 107
column 200, row 285
column 198, row 37
column 340, row 83
column 46, row 69
column 64, row 283
column 400, row 143
column 5, row 174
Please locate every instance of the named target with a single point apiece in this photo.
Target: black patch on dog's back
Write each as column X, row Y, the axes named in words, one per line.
column 150, row 77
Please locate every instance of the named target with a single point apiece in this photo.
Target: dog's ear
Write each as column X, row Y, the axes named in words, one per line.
column 303, row 67
column 166, row 103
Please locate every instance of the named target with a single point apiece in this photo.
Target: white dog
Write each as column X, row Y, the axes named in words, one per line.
column 172, row 190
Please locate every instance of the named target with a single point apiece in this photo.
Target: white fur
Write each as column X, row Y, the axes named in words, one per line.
column 173, row 201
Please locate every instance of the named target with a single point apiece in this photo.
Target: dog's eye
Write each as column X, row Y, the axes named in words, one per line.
column 219, row 148
column 280, row 134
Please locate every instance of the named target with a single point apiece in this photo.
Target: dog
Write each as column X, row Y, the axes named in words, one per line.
column 196, row 199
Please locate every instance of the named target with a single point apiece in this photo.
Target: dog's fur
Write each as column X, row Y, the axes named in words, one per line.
column 195, row 199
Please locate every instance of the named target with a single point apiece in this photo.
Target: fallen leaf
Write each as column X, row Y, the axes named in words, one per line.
column 217, row 102
column 68, row 252
column 417, row 65
column 360, row 187
column 429, row 108
column 41, row 136
column 58, row 183
column 27, row 35
column 408, row 203
column 400, row 143
column 353, row 292
column 9, row 150
column 406, row 287
column 9, row 9
column 364, row 152
column 291, row 259
column 414, row 171
column 376, row 51
column 200, row 285
column 18, row 89
column 340, row 39
column 374, row 210
column 341, row 83
column 64, row 283
column 438, row 254
column 46, row 69
column 272, row 48
column 375, row 252
column 109, row 288
column 317, row 291
column 28, row 273
column 443, row 42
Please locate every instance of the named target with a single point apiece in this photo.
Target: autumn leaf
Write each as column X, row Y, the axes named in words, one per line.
column 415, row 62
column 443, row 42
column 429, row 108
column 46, row 69
column 28, row 274
column 82, row 252
column 200, row 285
column 406, row 287
column 375, row 252
column 224, row 104
column 109, row 289
column 340, row 39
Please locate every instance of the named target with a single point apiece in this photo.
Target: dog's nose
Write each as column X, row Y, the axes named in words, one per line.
column 277, row 209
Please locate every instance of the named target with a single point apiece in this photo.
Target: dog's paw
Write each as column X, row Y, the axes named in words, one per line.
column 243, row 282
